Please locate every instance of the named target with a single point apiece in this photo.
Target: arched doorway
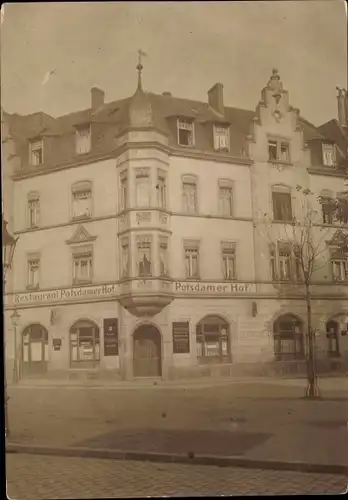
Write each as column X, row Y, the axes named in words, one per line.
column 213, row 340
column 147, row 349
column 288, row 338
column 332, row 335
column 84, row 344
column 34, row 350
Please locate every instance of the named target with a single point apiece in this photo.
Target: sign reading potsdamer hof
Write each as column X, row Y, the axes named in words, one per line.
column 220, row 289
column 73, row 294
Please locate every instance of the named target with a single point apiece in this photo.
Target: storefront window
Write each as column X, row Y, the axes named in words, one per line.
column 213, row 342
column 288, row 338
column 84, row 344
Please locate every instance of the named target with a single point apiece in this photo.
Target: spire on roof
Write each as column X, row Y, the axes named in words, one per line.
column 274, row 82
column 140, row 68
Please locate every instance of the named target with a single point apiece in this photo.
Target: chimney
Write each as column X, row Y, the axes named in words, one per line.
column 216, row 98
column 97, row 98
column 342, row 106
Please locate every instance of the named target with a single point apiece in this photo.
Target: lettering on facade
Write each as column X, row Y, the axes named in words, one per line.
column 214, row 288
column 66, row 294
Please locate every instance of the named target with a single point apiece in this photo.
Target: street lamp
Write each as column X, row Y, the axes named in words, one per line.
column 15, row 317
column 8, row 248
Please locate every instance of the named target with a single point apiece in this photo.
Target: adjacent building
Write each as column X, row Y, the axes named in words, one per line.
column 153, row 238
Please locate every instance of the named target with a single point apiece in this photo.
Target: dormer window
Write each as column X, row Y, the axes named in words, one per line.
column 83, row 140
column 221, row 138
column 278, row 151
column 36, row 152
column 185, row 133
column 328, row 154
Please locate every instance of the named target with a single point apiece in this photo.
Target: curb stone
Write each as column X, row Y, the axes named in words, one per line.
column 212, row 460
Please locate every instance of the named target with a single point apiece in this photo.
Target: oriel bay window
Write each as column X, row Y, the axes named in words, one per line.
column 226, row 197
column 163, row 255
column 33, row 271
column 191, row 249
column 84, row 345
column 82, row 200
column 33, row 210
column 142, row 187
column 125, row 257
column 189, row 193
column 288, row 338
column 282, row 207
column 144, row 255
column 82, row 264
column 213, row 341
column 123, row 190
column 228, row 260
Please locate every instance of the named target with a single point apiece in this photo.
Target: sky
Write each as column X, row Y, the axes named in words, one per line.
column 190, row 46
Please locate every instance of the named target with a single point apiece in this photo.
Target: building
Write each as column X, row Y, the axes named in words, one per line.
column 144, row 248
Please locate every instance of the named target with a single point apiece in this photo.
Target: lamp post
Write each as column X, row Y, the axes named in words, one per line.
column 8, row 248
column 15, row 317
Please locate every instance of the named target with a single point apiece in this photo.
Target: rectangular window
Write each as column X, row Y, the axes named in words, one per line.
column 36, row 152
column 142, row 188
column 124, row 191
column 163, row 255
column 33, row 272
column 328, row 211
column 328, row 155
column 125, row 258
column 83, row 140
column 82, row 203
column 285, row 263
column 191, row 260
column 221, row 138
column 282, row 210
column 33, row 211
column 278, row 151
column 161, row 189
column 189, row 191
column 185, row 133
column 226, row 200
column 82, row 265
column 284, row 256
column 339, row 269
column 144, row 256
column 229, row 260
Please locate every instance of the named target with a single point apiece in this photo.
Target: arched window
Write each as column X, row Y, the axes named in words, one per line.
column 332, row 335
column 213, row 341
column 34, row 349
column 84, row 344
column 288, row 338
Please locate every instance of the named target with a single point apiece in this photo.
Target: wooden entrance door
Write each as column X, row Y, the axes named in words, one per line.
column 147, row 352
column 34, row 350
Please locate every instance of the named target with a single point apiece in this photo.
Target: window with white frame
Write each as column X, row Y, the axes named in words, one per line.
column 161, row 189
column 221, row 138
column 228, row 250
column 83, row 140
column 33, row 210
column 189, row 194
column 142, row 187
column 191, row 249
column 144, row 255
column 185, row 133
column 339, row 265
column 163, row 255
column 125, row 257
column 278, row 150
column 282, row 204
column 36, row 152
column 226, row 197
column 285, row 262
column 82, row 264
column 33, row 271
column 124, row 190
column 328, row 154
column 82, row 200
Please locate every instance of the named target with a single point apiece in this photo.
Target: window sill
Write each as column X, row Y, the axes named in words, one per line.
column 81, row 217
column 81, row 282
column 192, row 278
column 280, row 162
column 33, row 287
column 32, row 228
column 277, row 221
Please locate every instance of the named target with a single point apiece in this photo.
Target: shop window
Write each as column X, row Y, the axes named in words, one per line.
column 34, row 350
column 84, row 345
column 213, row 340
column 288, row 338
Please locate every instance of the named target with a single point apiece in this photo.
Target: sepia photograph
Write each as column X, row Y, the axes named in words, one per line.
column 174, row 248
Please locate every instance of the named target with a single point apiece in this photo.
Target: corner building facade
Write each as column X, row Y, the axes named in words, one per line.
column 143, row 249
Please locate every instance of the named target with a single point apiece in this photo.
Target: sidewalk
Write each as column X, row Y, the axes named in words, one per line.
column 244, row 422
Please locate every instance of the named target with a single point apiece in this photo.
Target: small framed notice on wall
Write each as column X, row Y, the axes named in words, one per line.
column 181, row 337
column 111, row 337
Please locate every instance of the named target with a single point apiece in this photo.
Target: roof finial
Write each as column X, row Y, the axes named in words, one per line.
column 140, row 68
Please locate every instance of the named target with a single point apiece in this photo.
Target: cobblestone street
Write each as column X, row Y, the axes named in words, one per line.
column 38, row 477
